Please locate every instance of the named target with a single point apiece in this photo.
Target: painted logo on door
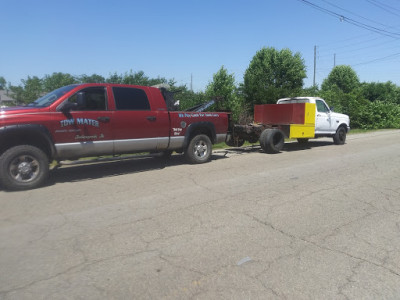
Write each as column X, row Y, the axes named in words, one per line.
column 79, row 121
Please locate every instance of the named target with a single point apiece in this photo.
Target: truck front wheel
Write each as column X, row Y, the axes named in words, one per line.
column 340, row 136
column 199, row 149
column 272, row 140
column 23, row 167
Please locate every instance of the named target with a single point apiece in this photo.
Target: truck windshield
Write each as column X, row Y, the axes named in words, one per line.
column 49, row 98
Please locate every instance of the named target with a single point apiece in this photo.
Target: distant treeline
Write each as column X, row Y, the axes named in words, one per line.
column 272, row 74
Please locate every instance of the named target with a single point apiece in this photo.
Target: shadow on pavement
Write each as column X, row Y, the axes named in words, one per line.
column 289, row 147
column 96, row 170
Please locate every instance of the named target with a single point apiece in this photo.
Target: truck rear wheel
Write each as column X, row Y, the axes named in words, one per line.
column 23, row 167
column 340, row 136
column 199, row 149
column 272, row 140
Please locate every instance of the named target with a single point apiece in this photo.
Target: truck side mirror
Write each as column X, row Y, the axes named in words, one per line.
column 331, row 108
column 80, row 103
column 67, row 106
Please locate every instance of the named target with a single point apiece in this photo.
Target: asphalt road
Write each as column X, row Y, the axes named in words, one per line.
column 317, row 223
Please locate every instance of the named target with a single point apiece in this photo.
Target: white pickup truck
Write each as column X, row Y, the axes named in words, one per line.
column 327, row 122
column 298, row 118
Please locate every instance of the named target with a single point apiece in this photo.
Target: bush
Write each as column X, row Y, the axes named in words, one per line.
column 363, row 113
column 379, row 115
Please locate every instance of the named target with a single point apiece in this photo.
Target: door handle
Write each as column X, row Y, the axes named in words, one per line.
column 103, row 119
column 151, row 118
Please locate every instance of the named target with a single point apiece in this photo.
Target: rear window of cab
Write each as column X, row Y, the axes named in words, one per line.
column 130, row 99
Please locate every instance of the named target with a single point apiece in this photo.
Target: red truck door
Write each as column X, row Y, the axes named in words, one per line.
column 139, row 123
column 85, row 130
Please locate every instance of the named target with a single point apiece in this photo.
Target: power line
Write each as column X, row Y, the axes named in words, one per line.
column 344, row 46
column 352, row 21
column 341, row 8
column 353, row 48
column 361, row 48
column 378, row 59
column 345, row 40
column 385, row 7
column 325, row 62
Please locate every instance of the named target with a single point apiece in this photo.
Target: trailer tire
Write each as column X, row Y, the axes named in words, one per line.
column 199, row 149
column 272, row 140
column 23, row 167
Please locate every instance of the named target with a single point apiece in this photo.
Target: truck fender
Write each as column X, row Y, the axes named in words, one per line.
column 345, row 126
column 27, row 134
column 194, row 129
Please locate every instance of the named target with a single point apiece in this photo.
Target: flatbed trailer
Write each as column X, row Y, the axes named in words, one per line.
column 294, row 118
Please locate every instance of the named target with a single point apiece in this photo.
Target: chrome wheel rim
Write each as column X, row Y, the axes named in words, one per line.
column 24, row 168
column 200, row 149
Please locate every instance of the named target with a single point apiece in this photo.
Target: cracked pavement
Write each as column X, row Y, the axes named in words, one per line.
column 319, row 223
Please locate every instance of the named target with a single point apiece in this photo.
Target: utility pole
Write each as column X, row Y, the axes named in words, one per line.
column 191, row 82
column 315, row 63
column 334, row 60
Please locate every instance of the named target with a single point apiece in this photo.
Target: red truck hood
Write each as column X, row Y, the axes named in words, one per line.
column 19, row 110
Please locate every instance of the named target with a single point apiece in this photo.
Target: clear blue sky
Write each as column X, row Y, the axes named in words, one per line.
column 174, row 39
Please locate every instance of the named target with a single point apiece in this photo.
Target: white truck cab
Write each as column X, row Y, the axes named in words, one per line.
column 327, row 122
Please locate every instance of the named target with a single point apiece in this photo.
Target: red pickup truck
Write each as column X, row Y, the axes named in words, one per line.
column 84, row 120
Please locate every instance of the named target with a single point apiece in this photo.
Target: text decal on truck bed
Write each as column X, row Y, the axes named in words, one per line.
column 198, row 115
column 79, row 121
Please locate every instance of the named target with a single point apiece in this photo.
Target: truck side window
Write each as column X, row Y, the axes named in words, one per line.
column 130, row 99
column 93, row 98
column 321, row 107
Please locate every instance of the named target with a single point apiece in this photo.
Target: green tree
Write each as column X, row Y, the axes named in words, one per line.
column 223, row 87
column 17, row 93
column 31, row 90
column 137, row 78
column 344, row 77
column 311, row 91
column 378, row 91
column 114, row 78
column 57, row 80
column 347, row 103
column 188, row 98
column 94, row 78
column 273, row 74
column 363, row 113
column 3, row 83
